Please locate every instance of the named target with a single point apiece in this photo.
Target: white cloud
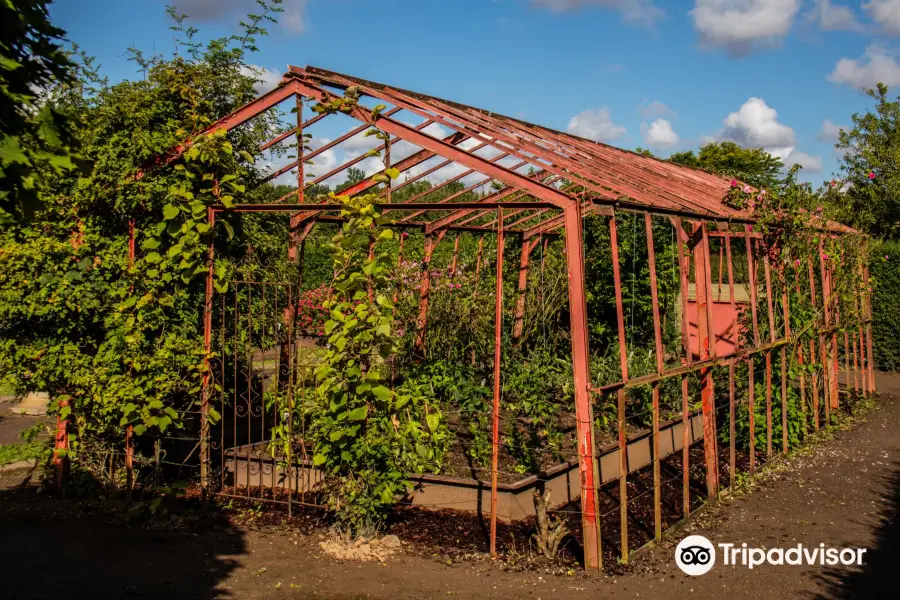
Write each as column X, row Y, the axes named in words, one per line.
column 884, row 12
column 795, row 157
column 655, row 108
column 642, row 12
column 877, row 66
column 266, row 79
column 293, row 18
column 321, row 163
column 595, row 125
column 833, row 17
column 740, row 26
column 829, row 131
column 659, row 134
column 755, row 125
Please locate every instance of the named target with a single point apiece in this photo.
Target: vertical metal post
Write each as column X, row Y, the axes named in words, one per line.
column 300, row 149
column 527, row 247
column 860, row 344
column 389, row 186
column 707, row 398
column 623, row 363
column 495, row 413
column 736, row 340
column 660, row 366
column 207, row 347
column 60, row 448
column 478, row 264
column 767, row 270
column 751, row 397
column 868, row 314
column 423, row 292
column 784, row 370
column 455, row 255
column 683, row 259
column 475, row 285
column 580, row 367
column 829, row 360
column 812, row 345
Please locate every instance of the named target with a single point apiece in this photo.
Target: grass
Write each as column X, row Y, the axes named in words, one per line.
column 11, row 453
column 30, row 448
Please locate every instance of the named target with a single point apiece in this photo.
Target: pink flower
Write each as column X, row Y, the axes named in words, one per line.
column 872, row 175
column 833, row 183
column 885, row 257
column 797, row 263
column 824, row 256
column 734, row 183
column 748, row 189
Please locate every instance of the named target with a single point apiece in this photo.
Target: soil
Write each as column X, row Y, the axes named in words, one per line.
column 844, row 492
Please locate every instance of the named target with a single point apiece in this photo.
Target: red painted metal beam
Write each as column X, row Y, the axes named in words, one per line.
column 446, row 150
column 660, row 367
column 495, row 409
column 527, row 248
column 707, row 396
column 623, row 365
column 587, row 458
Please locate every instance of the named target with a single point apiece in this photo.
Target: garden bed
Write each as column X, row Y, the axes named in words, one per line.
column 470, row 490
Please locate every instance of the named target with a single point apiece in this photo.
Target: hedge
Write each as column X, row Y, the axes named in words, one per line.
column 885, row 269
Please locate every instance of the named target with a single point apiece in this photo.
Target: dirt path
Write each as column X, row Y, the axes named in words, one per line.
column 845, row 493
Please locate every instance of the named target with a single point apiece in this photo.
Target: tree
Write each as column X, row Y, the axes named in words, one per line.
column 35, row 137
column 754, row 166
column 871, row 157
column 354, row 176
column 118, row 342
column 686, row 158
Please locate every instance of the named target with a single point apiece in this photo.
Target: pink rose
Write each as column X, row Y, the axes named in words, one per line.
column 734, row 183
column 748, row 189
column 871, row 175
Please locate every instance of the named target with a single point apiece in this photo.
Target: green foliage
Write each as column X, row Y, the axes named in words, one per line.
column 535, row 389
column 871, row 183
column 30, row 448
column 367, row 436
column 797, row 423
column 460, row 386
column 35, row 136
column 753, row 166
column 885, row 277
column 122, row 341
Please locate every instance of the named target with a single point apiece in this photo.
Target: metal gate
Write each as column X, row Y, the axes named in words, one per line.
column 263, row 385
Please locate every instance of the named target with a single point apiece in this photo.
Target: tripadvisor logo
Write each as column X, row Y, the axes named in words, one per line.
column 696, row 555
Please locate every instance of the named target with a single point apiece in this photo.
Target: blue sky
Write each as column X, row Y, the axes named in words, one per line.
column 663, row 74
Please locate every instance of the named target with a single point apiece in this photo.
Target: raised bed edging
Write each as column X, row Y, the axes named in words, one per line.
column 514, row 500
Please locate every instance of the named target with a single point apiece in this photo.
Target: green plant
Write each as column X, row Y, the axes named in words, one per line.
column 797, row 421
column 367, row 436
column 31, row 448
column 885, row 267
column 35, row 137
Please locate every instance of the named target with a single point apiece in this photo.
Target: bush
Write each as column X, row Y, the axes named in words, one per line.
column 885, row 270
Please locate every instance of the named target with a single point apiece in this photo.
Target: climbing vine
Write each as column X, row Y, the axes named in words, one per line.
column 368, row 437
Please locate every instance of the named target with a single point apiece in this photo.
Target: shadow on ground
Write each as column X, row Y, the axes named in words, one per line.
column 879, row 576
column 57, row 548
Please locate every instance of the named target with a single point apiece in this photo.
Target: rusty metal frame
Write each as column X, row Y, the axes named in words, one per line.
column 600, row 179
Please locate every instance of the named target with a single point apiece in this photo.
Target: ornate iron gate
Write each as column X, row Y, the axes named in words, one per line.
column 263, row 381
